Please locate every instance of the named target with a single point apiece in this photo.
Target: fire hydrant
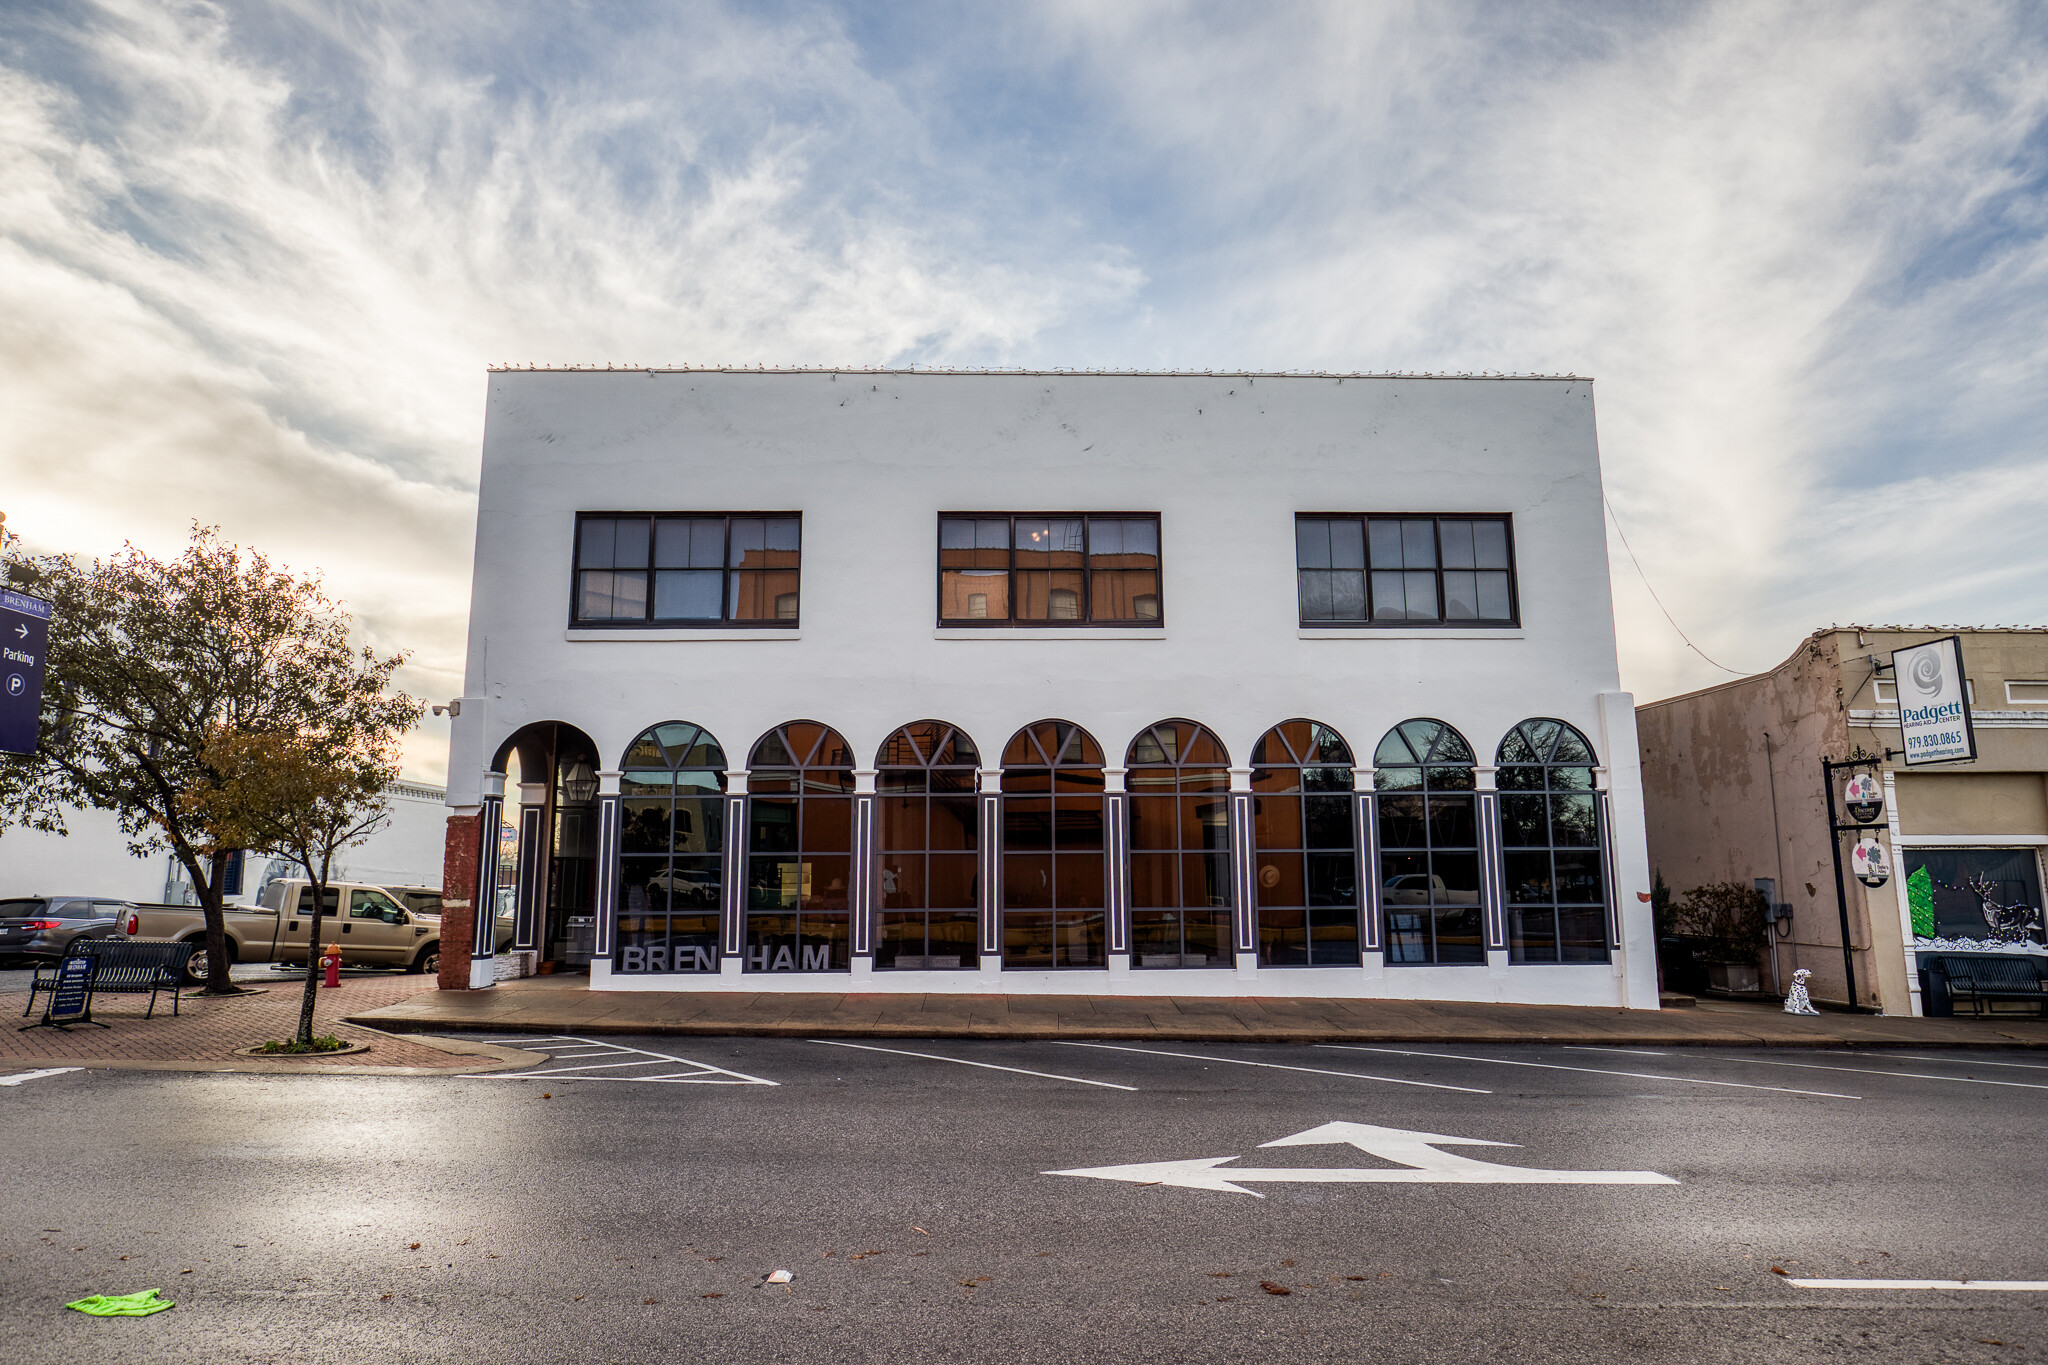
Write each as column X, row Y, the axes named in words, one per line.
column 331, row 960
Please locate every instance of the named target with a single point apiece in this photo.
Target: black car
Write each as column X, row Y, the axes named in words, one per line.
column 37, row 929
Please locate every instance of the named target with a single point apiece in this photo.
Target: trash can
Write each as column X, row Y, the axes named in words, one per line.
column 1935, row 1002
column 579, row 940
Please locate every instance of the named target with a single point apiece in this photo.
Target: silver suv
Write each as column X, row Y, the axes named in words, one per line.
column 39, row 929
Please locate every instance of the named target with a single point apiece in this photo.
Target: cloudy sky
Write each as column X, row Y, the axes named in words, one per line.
column 254, row 258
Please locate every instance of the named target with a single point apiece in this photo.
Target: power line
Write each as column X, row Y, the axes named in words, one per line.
column 1658, row 600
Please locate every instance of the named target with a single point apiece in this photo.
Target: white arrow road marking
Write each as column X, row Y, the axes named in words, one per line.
column 2022, row 1286
column 1417, row 1151
column 38, row 1075
column 1277, row 1066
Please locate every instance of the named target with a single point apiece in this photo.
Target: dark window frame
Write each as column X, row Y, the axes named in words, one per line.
column 726, row 570
column 674, row 753
column 1024, row 759
column 1512, row 621
column 1083, row 621
column 1442, row 775
column 1541, row 780
column 812, row 776
column 953, row 741
column 1286, row 777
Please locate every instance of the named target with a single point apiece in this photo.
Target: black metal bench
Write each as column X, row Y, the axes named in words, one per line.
column 124, row 967
column 1984, row 981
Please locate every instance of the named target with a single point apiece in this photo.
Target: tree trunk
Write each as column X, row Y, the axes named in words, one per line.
column 218, row 982
column 305, row 1033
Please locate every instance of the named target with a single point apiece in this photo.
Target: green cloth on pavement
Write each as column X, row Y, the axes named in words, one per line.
column 122, row 1305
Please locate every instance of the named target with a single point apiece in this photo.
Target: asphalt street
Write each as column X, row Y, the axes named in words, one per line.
column 624, row 1201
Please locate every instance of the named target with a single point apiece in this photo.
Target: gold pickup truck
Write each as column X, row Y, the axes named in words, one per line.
column 372, row 927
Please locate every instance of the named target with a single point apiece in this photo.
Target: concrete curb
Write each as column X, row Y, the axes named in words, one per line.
column 729, row 1028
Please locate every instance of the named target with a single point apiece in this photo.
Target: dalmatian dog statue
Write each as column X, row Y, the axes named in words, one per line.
column 1796, row 1000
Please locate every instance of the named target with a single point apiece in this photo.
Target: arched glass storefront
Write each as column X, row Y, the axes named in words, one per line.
column 1306, row 844
column 928, row 890
column 1054, row 860
column 799, row 851
column 1429, row 845
column 1552, row 865
column 1179, row 784
column 671, row 851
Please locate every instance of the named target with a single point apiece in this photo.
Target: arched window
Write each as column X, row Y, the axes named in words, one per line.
column 1429, row 844
column 671, row 851
column 1053, row 860
column 800, row 850
column 925, row 780
column 1307, row 847
column 1179, row 784
column 1550, row 845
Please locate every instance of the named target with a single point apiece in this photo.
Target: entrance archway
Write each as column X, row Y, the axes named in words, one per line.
column 545, row 893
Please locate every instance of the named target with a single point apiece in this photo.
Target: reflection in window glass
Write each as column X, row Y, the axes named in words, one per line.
column 1053, row 888
column 930, row 890
column 1396, row 570
column 800, row 851
column 1049, row 569
column 1307, row 847
column 1986, row 894
column 1179, row 783
column 671, row 852
column 688, row 570
column 1552, row 871
column 1429, row 845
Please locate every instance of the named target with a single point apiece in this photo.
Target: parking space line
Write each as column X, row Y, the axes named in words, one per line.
column 1630, row 1051
column 1872, row 1071
column 1951, row 1061
column 987, row 1066
column 38, row 1075
column 1592, row 1071
column 705, row 1073
column 2009, row 1286
column 1278, row 1066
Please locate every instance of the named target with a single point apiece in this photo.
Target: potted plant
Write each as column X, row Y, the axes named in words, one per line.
column 1729, row 922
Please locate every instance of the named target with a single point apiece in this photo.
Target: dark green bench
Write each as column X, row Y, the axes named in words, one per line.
column 1984, row 981
column 124, row 967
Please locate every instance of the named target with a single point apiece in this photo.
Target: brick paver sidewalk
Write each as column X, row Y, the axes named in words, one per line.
column 207, row 1030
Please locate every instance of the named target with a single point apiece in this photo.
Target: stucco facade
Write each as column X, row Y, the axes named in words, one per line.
column 1733, row 791
column 872, row 464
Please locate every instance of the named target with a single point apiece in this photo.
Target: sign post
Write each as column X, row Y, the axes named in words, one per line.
column 24, row 647
column 71, row 1000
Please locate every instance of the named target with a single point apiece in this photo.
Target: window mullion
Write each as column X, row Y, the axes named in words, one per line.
column 725, row 573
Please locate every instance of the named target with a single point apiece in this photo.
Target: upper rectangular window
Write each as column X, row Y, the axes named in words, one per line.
column 687, row 569
column 1049, row 569
column 1405, row 570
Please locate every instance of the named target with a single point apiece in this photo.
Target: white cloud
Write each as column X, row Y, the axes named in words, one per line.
column 253, row 259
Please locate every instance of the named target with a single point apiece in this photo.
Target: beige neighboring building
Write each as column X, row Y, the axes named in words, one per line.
column 1733, row 792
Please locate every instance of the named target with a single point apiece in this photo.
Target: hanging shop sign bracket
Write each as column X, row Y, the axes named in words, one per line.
column 1864, row 797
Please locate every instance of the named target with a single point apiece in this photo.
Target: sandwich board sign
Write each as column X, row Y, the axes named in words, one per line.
column 71, row 999
column 24, row 645
column 1934, row 702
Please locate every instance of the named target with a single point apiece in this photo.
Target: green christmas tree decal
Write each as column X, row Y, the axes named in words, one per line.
column 1920, row 896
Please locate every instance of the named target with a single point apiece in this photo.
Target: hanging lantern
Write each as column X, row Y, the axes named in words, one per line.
column 1865, row 798
column 1870, row 862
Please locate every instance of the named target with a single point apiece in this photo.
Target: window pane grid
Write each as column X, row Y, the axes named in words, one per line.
column 1306, row 845
column 688, row 569
column 1404, row 570
column 1049, row 569
column 1429, row 845
column 672, row 852
column 1178, row 779
column 800, row 851
column 1552, row 869
column 930, row 884
column 1054, row 906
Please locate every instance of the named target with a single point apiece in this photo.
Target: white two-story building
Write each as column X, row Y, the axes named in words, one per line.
column 1132, row 684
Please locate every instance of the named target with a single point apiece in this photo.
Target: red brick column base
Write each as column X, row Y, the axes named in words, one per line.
column 458, row 911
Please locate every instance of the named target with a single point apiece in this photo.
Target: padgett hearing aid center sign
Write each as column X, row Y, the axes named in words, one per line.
column 1934, row 702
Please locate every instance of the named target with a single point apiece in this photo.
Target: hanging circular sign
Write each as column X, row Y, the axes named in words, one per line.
column 1873, row 866
column 1865, row 798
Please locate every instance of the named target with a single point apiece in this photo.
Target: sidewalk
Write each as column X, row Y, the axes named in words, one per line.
column 540, row 1005
column 206, row 1031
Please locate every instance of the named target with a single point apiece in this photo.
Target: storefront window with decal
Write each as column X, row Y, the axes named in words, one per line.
column 800, row 851
column 1971, row 897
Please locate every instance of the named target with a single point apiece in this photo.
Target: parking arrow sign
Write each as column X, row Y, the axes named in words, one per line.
column 22, row 658
column 1417, row 1152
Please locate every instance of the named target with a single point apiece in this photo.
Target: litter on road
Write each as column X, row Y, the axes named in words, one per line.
column 139, row 1305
